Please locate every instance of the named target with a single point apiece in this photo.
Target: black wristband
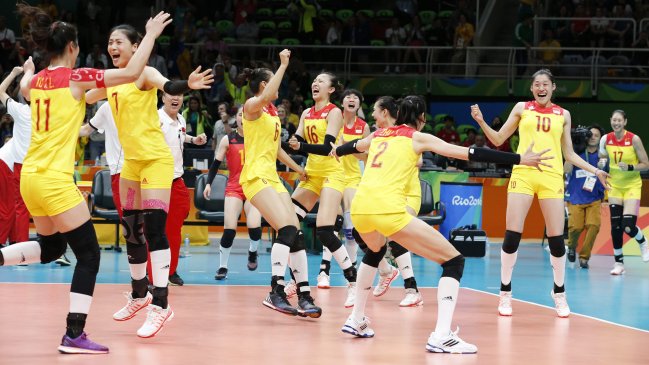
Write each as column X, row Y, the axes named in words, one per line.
column 479, row 154
column 177, row 87
column 629, row 168
column 347, row 148
column 319, row 149
column 214, row 168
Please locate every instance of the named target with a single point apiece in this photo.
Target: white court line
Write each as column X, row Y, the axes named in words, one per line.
column 571, row 313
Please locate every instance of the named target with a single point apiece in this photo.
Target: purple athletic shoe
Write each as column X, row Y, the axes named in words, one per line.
column 81, row 345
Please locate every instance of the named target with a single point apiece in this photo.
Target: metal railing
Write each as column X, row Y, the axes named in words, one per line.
column 539, row 24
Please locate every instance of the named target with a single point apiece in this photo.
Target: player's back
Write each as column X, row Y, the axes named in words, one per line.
column 261, row 146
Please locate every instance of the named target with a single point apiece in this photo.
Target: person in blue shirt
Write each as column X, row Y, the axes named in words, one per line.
column 584, row 195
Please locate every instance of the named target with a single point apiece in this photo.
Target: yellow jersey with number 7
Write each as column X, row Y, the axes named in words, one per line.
column 391, row 163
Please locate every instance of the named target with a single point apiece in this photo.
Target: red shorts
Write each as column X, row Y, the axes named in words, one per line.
column 235, row 190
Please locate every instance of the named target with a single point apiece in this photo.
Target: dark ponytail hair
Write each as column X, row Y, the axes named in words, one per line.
column 44, row 33
column 255, row 77
column 129, row 31
column 620, row 111
column 543, row 71
column 335, row 83
column 352, row 92
column 388, row 103
column 410, row 108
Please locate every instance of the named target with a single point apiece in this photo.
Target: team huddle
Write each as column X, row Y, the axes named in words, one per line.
column 375, row 209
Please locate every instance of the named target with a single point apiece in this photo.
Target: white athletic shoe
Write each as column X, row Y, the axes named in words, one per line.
column 132, row 306
column 561, row 304
column 644, row 249
column 505, row 304
column 618, row 269
column 323, row 281
column 413, row 299
column 385, row 281
column 358, row 329
column 290, row 289
column 155, row 320
column 450, row 343
column 351, row 295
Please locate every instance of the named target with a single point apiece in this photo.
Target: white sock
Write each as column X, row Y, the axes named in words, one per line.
column 342, row 257
column 384, row 267
column 326, row 254
column 254, row 245
column 404, row 262
column 28, row 252
column 160, row 261
column 507, row 262
column 278, row 259
column 364, row 279
column 352, row 249
column 138, row 271
column 300, row 267
column 80, row 303
column 640, row 236
column 224, row 255
column 447, row 291
column 558, row 269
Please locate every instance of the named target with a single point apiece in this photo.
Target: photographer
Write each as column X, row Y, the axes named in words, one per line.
column 585, row 194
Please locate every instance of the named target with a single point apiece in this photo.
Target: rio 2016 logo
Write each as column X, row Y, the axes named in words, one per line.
column 471, row 200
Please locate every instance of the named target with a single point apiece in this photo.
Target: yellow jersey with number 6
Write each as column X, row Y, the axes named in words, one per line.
column 138, row 124
column 56, row 118
column 622, row 151
column 391, row 163
column 544, row 127
column 260, row 147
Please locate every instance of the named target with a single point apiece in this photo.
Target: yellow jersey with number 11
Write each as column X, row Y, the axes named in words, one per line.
column 544, row 127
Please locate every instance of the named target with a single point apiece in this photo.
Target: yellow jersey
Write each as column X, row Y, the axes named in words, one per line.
column 56, row 118
column 543, row 126
column 315, row 129
column 261, row 146
column 136, row 117
column 391, row 163
column 350, row 163
column 622, row 151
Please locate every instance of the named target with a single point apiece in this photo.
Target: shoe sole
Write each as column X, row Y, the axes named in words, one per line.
column 76, row 350
column 353, row 332
column 324, row 286
column 168, row 319
column 438, row 350
column 387, row 286
column 618, row 274
column 566, row 316
column 252, row 268
column 305, row 314
column 134, row 313
column 271, row 306
column 418, row 304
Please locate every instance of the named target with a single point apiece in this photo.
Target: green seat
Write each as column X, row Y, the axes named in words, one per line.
column 368, row 13
column 267, row 24
column 464, row 128
column 285, row 25
column 445, row 14
column 264, row 13
column 290, row 41
column 384, row 14
column 438, row 127
column 377, row 43
column 229, row 40
column 427, row 16
column 308, row 103
column 164, row 39
column 269, row 41
column 344, row 14
column 281, row 13
column 224, row 26
column 438, row 117
column 326, row 13
column 463, row 137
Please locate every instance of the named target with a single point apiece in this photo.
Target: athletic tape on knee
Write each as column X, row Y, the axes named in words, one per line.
column 397, row 249
column 372, row 258
column 154, row 229
column 629, row 224
column 557, row 246
column 228, row 238
column 339, row 223
column 286, row 235
column 133, row 226
column 52, row 247
column 511, row 241
column 300, row 210
column 328, row 238
column 298, row 242
column 254, row 233
column 454, row 268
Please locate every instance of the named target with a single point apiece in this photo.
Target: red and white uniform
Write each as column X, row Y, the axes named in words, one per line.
column 235, row 157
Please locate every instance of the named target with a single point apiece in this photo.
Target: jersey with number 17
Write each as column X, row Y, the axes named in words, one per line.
column 544, row 127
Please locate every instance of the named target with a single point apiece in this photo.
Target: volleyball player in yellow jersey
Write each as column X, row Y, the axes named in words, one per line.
column 548, row 125
column 627, row 157
column 146, row 177
column 379, row 211
column 353, row 128
column 263, row 187
column 319, row 126
column 59, row 211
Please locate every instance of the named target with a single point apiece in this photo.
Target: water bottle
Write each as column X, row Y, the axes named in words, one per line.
column 186, row 252
column 97, row 161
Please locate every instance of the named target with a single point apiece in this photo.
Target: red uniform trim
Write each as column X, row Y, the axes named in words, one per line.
column 551, row 109
column 396, row 131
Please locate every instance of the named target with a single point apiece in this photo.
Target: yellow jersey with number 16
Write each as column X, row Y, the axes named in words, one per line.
column 315, row 129
column 391, row 163
column 544, row 127
column 260, row 147
column 56, row 118
column 138, row 124
column 622, row 151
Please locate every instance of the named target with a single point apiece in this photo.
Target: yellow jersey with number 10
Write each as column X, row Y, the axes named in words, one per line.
column 56, row 118
column 315, row 129
column 350, row 163
column 544, row 127
column 390, row 165
column 260, row 147
column 622, row 151
column 138, row 124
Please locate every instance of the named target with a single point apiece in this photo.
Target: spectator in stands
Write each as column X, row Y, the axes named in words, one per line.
column 224, row 125
column 288, row 129
column 462, row 38
column 562, row 27
column 523, row 37
column 480, row 141
column 155, row 60
column 470, row 137
column 218, row 92
column 408, row 8
column 292, row 117
column 6, row 128
column 7, row 43
column 248, row 33
column 580, row 28
column 619, row 29
column 96, row 55
column 334, row 33
column 308, row 10
column 448, row 133
column 415, row 38
column 242, row 9
column 395, row 36
column 50, row 8
column 496, row 124
column 550, row 48
column 198, row 120
column 599, row 25
column 239, row 90
column 641, row 59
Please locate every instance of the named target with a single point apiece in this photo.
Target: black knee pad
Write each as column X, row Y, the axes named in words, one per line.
column 298, row 243
column 328, row 238
column 616, row 216
column 629, row 224
column 52, row 247
column 372, row 258
column 340, row 221
column 557, row 246
column 137, row 253
column 83, row 242
column 286, row 235
column 511, row 241
column 300, row 210
column 133, row 227
column 358, row 238
column 154, row 229
column 397, row 249
column 228, row 238
column 453, row 268
column 254, row 233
